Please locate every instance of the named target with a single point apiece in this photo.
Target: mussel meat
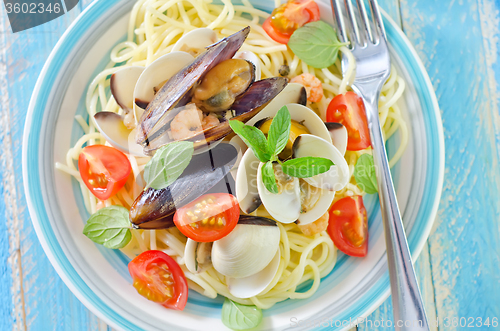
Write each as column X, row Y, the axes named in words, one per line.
column 223, row 84
column 154, row 209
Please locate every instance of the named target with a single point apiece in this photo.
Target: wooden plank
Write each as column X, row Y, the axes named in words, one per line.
column 41, row 301
column 459, row 52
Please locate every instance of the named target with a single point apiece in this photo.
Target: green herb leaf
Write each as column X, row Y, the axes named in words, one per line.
column 240, row 317
column 109, row 227
column 364, row 173
column 316, row 44
column 279, row 132
column 253, row 138
column 167, row 164
column 268, row 177
column 305, row 167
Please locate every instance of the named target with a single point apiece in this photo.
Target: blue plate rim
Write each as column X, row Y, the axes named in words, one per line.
column 35, row 201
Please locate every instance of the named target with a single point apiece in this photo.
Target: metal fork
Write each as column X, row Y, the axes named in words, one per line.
column 373, row 66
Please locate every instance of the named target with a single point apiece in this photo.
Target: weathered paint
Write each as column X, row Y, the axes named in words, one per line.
column 458, row 270
column 457, row 42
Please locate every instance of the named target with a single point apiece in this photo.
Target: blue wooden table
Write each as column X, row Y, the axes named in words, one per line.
column 458, row 269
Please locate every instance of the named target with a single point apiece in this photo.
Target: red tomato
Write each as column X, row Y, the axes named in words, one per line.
column 208, row 218
column 290, row 16
column 159, row 278
column 348, row 226
column 104, row 170
column 349, row 110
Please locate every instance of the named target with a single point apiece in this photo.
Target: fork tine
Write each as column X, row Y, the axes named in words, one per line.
column 377, row 17
column 339, row 21
column 365, row 21
column 355, row 36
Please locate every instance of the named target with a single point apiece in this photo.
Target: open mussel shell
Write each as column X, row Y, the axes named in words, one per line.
column 179, row 86
column 246, row 250
column 122, row 85
column 338, row 133
column 246, row 106
column 154, row 209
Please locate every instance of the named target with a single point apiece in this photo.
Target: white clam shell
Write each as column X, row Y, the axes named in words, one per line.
column 122, row 85
column 156, row 73
column 245, row 251
column 338, row 133
column 251, row 57
column 116, row 133
column 194, row 42
column 253, row 285
column 325, row 199
column 283, row 207
column 334, row 179
column 247, row 192
column 189, row 255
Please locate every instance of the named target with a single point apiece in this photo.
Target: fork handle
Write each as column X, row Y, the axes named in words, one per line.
column 406, row 300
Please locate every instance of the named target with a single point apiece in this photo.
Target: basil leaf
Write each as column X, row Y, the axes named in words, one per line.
column 316, row 44
column 240, row 317
column 279, row 132
column 304, row 167
column 167, row 164
column 268, row 177
column 365, row 175
column 253, row 138
column 109, row 227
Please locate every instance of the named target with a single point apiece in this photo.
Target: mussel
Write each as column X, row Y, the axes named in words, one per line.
column 247, row 105
column 179, row 86
column 154, row 209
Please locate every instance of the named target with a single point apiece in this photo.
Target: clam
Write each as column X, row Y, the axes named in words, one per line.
column 194, row 42
column 338, row 133
column 248, row 249
column 154, row 209
column 247, row 192
column 122, row 85
column 154, row 76
column 284, row 206
column 112, row 127
column 179, row 86
column 197, row 255
column 337, row 177
column 253, row 285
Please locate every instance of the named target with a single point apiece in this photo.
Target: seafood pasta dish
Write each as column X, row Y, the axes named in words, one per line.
column 225, row 153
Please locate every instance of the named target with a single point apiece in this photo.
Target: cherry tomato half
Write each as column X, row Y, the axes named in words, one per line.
column 290, row 16
column 104, row 170
column 348, row 226
column 208, row 218
column 349, row 110
column 159, row 278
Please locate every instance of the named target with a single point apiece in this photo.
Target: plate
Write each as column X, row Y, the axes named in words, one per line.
column 99, row 277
